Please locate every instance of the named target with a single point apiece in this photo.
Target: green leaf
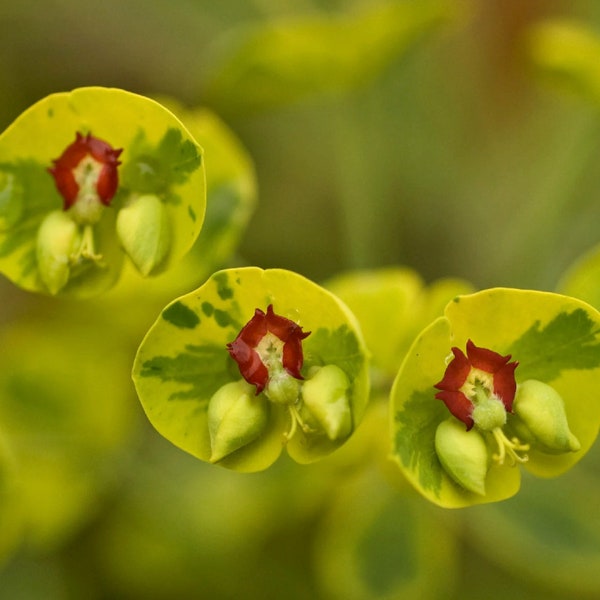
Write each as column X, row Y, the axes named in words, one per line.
column 554, row 338
column 567, row 54
column 184, row 360
column 284, row 61
column 159, row 157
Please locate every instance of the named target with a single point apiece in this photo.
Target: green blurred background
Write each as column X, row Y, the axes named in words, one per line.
column 455, row 138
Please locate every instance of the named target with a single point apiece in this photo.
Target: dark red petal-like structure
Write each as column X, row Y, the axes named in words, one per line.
column 243, row 348
column 459, row 405
column 291, row 335
column 505, row 385
column 255, row 329
column 251, row 366
column 499, row 366
column 484, row 359
column 99, row 150
column 455, row 376
column 458, row 370
column 456, row 373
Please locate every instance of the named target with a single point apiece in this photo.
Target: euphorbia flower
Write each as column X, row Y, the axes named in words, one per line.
column 86, row 176
column 87, row 167
column 479, row 389
column 467, row 377
column 75, row 212
column 257, row 380
column 536, row 411
column 265, row 344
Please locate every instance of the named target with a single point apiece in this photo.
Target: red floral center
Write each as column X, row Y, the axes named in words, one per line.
column 87, row 166
column 268, row 343
column 479, row 371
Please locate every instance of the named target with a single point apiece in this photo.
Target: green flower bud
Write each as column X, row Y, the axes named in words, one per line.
column 543, row 421
column 282, row 388
column 463, row 454
column 236, row 417
column 58, row 239
column 144, row 230
column 325, row 397
column 489, row 414
column 11, row 201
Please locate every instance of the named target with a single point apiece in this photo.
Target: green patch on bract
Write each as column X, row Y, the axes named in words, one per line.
column 223, row 290
column 180, row 315
column 335, row 346
column 197, row 372
column 415, row 431
column 160, row 168
column 223, row 318
column 568, row 341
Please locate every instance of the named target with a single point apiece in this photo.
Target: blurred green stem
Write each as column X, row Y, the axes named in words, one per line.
column 538, row 228
column 361, row 189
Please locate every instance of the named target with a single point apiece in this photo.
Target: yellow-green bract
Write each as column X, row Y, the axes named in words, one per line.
column 554, row 338
column 161, row 164
column 183, row 362
column 392, row 304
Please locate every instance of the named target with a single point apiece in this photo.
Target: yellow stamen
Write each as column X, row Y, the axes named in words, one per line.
column 296, row 420
column 87, row 249
column 509, row 448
